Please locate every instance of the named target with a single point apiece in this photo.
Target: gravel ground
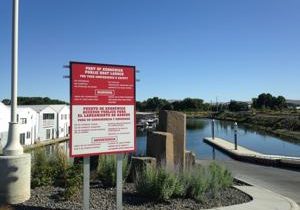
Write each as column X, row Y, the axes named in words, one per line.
column 104, row 198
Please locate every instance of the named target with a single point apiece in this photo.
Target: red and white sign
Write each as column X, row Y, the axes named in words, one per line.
column 102, row 109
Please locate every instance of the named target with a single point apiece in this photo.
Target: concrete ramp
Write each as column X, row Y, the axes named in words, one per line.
column 244, row 154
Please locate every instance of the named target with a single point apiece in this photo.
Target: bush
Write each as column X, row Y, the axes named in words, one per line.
column 107, row 169
column 55, row 170
column 61, row 165
column 162, row 185
column 197, row 184
column 158, row 184
column 73, row 181
column 219, row 178
column 42, row 172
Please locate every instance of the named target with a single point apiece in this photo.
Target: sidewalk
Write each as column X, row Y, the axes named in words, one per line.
column 262, row 200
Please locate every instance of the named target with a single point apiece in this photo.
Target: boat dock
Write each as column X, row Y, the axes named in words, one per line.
column 247, row 155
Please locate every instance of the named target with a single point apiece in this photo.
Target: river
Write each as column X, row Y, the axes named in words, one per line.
column 197, row 129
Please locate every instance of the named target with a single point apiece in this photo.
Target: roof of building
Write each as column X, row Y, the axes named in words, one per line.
column 58, row 107
column 37, row 108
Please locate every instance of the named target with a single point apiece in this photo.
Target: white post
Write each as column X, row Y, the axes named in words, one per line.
column 86, row 183
column 13, row 146
column 119, row 182
column 15, row 166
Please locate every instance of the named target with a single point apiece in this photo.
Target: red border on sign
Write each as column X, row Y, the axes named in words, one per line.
column 71, row 117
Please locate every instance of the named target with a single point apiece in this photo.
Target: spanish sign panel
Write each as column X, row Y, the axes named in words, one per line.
column 102, row 109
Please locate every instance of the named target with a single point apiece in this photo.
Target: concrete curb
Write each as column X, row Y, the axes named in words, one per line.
column 263, row 199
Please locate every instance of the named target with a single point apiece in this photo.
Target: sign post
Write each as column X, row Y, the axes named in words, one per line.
column 119, row 182
column 102, row 115
column 86, row 183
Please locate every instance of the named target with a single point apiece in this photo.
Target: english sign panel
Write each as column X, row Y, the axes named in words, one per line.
column 102, row 109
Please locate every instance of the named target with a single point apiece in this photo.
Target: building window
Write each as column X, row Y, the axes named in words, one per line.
column 61, row 117
column 48, row 133
column 48, row 116
column 28, row 135
column 22, row 138
column 23, row 120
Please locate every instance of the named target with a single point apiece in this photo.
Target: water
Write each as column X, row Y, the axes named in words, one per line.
column 249, row 138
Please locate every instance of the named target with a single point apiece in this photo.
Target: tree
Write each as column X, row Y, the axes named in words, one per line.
column 34, row 101
column 281, row 102
column 187, row 104
column 155, row 104
column 266, row 100
column 236, row 106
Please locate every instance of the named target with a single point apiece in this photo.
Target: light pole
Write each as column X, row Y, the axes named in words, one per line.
column 14, row 164
column 13, row 146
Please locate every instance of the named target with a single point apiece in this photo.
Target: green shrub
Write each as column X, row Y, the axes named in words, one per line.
column 158, row 184
column 162, row 185
column 197, row 184
column 60, row 160
column 73, row 181
column 219, row 178
column 55, row 170
column 107, row 169
column 180, row 187
column 42, row 172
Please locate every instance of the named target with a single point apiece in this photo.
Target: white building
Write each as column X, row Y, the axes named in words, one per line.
column 4, row 120
column 63, row 119
column 47, row 122
column 36, row 123
column 27, row 119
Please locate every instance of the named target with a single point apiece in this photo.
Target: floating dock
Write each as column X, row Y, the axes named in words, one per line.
column 244, row 154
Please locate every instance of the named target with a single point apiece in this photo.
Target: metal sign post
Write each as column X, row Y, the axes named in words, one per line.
column 119, row 182
column 86, row 183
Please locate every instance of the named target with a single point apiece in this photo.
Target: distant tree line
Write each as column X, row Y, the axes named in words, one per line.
column 34, row 101
column 187, row 104
column 263, row 101
column 267, row 101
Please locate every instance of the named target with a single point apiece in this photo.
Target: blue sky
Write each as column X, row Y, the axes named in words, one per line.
column 229, row 49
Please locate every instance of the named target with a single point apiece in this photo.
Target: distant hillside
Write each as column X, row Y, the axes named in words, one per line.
column 34, row 101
